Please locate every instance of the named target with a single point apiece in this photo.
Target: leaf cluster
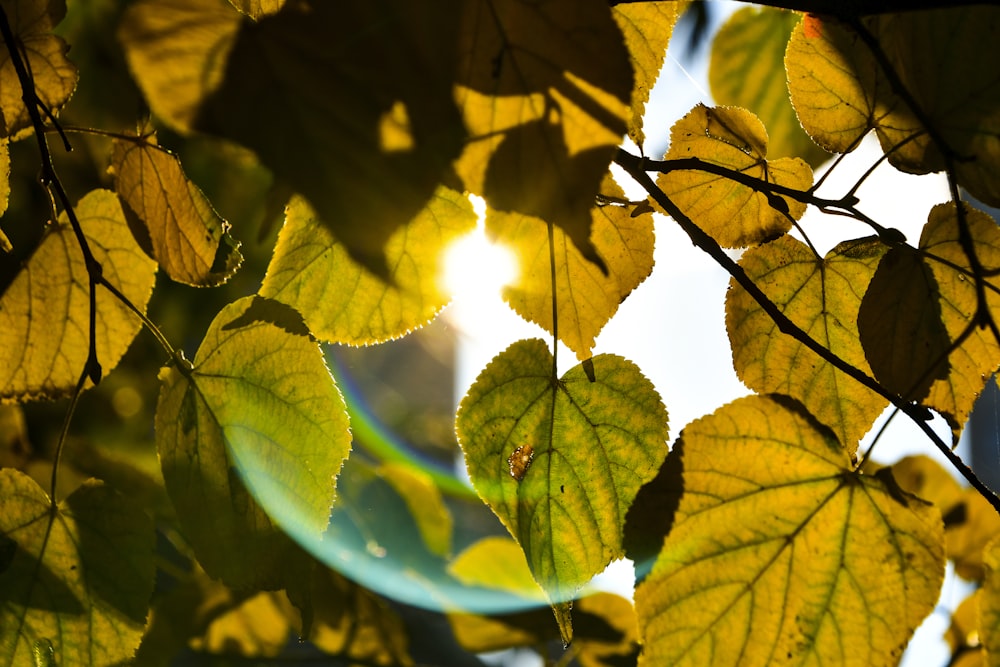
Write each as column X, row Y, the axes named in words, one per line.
column 762, row 533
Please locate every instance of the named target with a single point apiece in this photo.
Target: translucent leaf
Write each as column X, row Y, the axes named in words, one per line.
column 544, row 93
column 972, row 525
column 45, row 310
column 931, row 52
column 349, row 621
column 178, row 224
column 822, row 297
column 840, row 93
column 604, row 626
column 833, row 83
column 647, row 27
column 900, row 325
column 989, row 606
column 15, row 448
column 746, row 53
column 4, row 190
column 926, row 478
column 256, row 627
column 177, row 52
column 53, row 74
column 79, row 577
column 586, row 297
column 255, row 9
column 771, row 553
column 297, row 91
column 733, row 214
column 963, row 634
column 259, row 412
column 979, row 355
column 496, row 562
column 426, row 504
column 560, row 461
column 344, row 302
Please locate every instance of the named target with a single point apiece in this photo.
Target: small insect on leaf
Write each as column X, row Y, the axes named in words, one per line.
column 519, row 461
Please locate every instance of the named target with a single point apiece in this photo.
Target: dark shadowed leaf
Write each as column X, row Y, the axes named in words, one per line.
column 81, row 574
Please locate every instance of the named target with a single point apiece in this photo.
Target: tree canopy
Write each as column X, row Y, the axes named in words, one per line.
column 204, row 200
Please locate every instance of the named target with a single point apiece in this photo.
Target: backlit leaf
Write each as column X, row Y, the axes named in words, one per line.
column 545, row 106
column 177, row 52
column 182, row 230
column 963, row 634
column 925, row 478
column 979, row 355
column 647, row 27
column 344, row 302
column 586, row 297
column 496, row 562
column 931, row 52
column 4, row 191
column 833, row 83
column 973, row 524
column 256, row 627
column 560, row 461
column 900, row 325
column 822, row 297
column 989, row 605
column 80, row 577
column 367, row 157
column 45, row 310
column 747, row 53
column 426, row 505
column 258, row 8
column 54, row 76
column 259, row 413
column 733, row 214
column 771, row 556
column 350, row 621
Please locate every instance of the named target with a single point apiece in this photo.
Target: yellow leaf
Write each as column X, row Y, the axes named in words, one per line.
column 177, row 51
column 972, row 525
column 76, row 579
column 344, row 302
column 926, row 478
column 770, row 558
column 733, row 214
column 182, row 230
column 647, row 27
column 545, row 107
column 746, row 54
column 586, row 298
column 833, row 83
column 963, row 636
column 931, row 52
column 989, row 606
column 821, row 296
column 53, row 74
column 495, row 562
column 258, row 8
column 4, row 190
column 979, row 354
column 425, row 503
column 45, row 311
column 560, row 461
column 257, row 627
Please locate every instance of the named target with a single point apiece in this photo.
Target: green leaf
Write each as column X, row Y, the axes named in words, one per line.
column 258, row 413
column 733, row 214
column 900, row 326
column 45, row 310
column 544, row 93
column 746, row 53
column 341, row 300
column 771, row 555
column 178, row 224
column 821, row 296
column 177, row 51
column 78, row 585
column 971, row 364
column 560, row 461
column 54, row 76
column 297, row 91
column 586, row 297
column 647, row 27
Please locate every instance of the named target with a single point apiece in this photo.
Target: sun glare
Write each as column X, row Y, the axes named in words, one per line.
column 474, row 267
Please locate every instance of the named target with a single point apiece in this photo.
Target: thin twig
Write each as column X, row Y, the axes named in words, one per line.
column 637, row 167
